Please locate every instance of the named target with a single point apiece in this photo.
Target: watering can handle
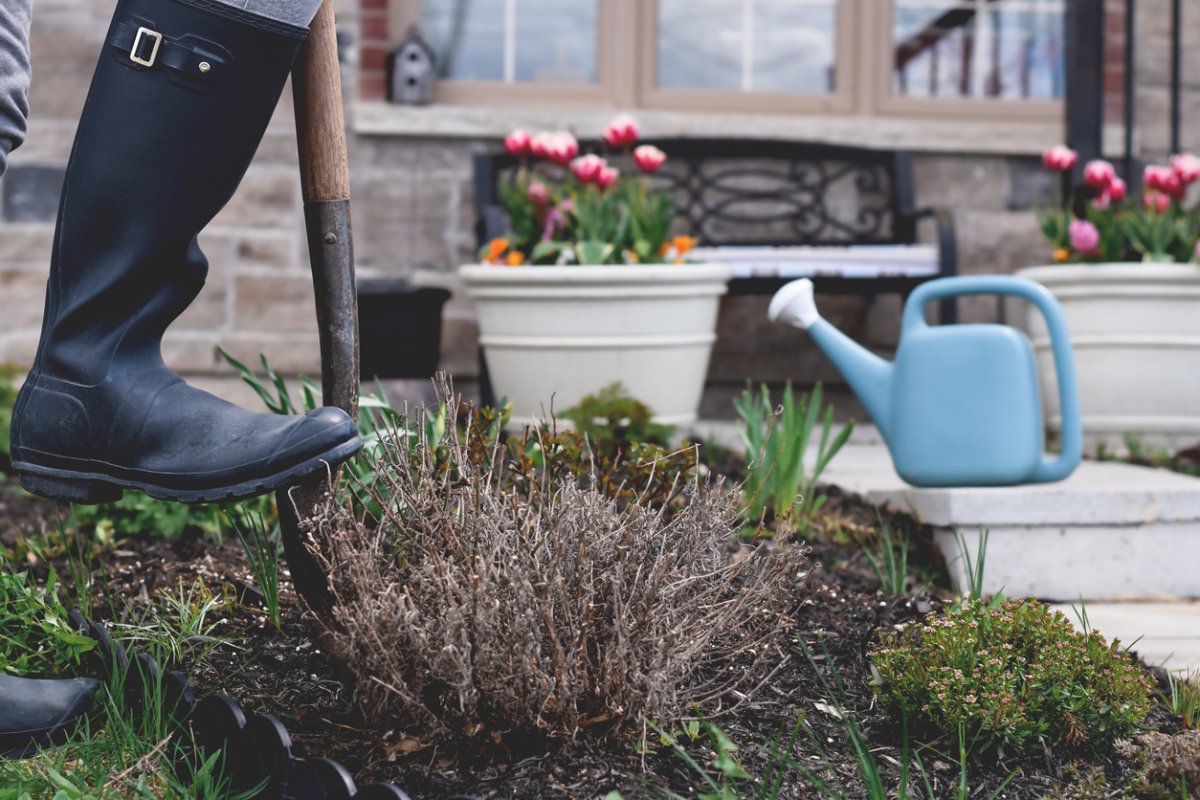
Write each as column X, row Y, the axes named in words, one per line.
column 1050, row 469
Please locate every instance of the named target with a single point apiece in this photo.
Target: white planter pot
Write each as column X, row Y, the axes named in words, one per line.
column 1135, row 331
column 553, row 335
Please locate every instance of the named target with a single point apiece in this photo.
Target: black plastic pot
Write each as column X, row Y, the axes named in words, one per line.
column 400, row 327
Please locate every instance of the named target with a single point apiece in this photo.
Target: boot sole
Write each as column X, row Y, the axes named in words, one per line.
column 90, row 488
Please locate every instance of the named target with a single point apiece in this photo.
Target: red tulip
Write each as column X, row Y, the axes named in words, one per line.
column 1187, row 167
column 1099, row 174
column 649, row 158
column 1060, row 158
column 561, row 148
column 607, row 177
column 1116, row 190
column 587, row 168
column 622, row 132
column 519, row 143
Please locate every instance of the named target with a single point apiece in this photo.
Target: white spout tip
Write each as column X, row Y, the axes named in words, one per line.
column 794, row 305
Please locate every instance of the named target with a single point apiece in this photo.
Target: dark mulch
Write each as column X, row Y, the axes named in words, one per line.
column 288, row 674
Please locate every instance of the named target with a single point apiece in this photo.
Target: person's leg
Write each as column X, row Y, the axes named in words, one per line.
column 294, row 12
column 181, row 97
column 14, row 75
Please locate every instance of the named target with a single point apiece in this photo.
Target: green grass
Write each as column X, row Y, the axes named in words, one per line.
column 120, row 754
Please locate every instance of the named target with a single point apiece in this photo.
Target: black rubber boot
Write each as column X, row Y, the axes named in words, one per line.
column 181, row 98
column 40, row 713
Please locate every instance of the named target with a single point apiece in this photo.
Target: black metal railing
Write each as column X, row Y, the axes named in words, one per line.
column 1086, row 85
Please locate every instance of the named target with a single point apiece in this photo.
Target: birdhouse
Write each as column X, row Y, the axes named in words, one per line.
column 411, row 71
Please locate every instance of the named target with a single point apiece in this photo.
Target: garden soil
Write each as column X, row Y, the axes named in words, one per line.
column 840, row 615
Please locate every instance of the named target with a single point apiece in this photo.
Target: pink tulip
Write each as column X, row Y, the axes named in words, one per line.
column 1187, row 167
column 1102, row 202
column 1060, row 158
column 538, row 194
column 622, row 132
column 1084, row 237
column 587, row 168
column 561, row 148
column 1116, row 190
column 649, row 158
column 518, row 143
column 1157, row 178
column 1165, row 180
column 1196, row 253
column 607, row 177
column 540, row 142
column 1156, row 201
column 1099, row 174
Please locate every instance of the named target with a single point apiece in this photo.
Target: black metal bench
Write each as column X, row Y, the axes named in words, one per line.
column 734, row 193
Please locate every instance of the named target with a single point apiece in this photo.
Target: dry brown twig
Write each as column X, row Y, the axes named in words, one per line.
column 475, row 605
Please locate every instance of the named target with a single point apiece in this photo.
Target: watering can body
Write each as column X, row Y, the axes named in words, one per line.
column 961, row 404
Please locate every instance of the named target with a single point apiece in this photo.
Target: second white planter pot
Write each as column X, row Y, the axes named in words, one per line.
column 553, row 335
column 1135, row 330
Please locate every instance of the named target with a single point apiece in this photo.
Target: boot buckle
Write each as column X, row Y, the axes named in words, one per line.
column 137, row 47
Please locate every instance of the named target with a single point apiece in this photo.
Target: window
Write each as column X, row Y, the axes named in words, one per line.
column 512, row 41
column 978, row 48
column 952, row 57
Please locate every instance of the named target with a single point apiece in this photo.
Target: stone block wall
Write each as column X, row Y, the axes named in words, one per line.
column 413, row 216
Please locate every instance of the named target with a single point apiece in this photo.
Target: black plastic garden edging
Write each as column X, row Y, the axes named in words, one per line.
column 258, row 750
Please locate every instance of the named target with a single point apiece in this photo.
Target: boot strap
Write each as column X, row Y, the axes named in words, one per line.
column 144, row 47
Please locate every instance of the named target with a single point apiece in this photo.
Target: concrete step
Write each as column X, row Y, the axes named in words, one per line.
column 1109, row 532
column 1164, row 634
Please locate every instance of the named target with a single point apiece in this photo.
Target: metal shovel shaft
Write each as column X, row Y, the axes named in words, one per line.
column 325, row 184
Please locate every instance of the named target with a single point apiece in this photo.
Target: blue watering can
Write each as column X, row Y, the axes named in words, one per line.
column 960, row 406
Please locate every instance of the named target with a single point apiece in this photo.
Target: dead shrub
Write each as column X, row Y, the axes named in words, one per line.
column 479, row 604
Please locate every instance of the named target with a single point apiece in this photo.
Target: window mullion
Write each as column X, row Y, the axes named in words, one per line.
column 510, row 41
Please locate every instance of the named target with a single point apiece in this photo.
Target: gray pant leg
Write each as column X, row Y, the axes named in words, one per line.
column 14, row 75
column 296, row 12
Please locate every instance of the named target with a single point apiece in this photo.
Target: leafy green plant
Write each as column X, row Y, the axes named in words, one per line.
column 137, row 514
column 263, row 550
column 725, row 771
column 35, row 637
column 612, row 420
column 973, row 566
column 888, row 556
column 1010, row 675
column 777, row 440
column 1183, row 697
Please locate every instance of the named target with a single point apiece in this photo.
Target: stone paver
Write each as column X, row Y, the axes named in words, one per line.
column 1109, row 532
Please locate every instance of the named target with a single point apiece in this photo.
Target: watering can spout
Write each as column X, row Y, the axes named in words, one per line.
column 868, row 375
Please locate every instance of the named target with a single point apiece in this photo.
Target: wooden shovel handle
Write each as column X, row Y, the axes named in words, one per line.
column 325, row 181
column 321, row 124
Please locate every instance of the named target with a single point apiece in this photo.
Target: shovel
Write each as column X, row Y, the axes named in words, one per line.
column 325, row 184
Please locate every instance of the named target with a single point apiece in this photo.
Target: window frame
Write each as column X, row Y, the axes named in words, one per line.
column 840, row 100
column 402, row 14
column 627, row 60
column 879, row 38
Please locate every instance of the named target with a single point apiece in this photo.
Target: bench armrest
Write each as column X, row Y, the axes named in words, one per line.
column 947, row 243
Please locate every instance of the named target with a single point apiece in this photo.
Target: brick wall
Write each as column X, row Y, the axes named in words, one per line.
column 413, row 212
